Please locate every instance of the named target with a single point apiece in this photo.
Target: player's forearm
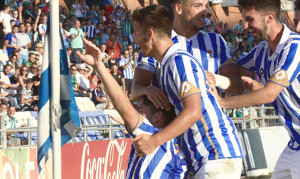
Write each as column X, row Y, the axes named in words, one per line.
column 118, row 98
column 233, row 73
column 261, row 96
column 185, row 119
column 142, row 79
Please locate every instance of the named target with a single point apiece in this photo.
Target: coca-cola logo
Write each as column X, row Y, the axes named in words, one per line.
column 104, row 167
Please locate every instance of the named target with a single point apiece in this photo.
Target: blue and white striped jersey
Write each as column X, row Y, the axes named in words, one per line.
column 283, row 68
column 214, row 136
column 209, row 48
column 166, row 162
column 128, row 74
column 90, row 30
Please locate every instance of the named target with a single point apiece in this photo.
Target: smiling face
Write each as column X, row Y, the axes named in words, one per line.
column 193, row 14
column 296, row 21
column 140, row 37
column 255, row 23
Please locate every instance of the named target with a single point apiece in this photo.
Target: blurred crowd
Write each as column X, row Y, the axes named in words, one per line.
column 23, row 25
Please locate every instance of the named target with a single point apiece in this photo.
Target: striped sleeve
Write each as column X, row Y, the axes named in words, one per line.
column 288, row 68
column 248, row 61
column 146, row 63
column 184, row 77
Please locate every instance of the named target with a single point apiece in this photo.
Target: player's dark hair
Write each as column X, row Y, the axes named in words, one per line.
column 167, row 115
column 263, row 6
column 155, row 17
column 297, row 5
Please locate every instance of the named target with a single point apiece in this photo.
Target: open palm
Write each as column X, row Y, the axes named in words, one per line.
column 93, row 54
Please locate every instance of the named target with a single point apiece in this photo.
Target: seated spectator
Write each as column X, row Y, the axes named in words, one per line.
column 118, row 76
column 93, row 80
column 82, row 76
column 3, row 107
column 99, row 97
column 78, row 91
column 33, row 70
column 36, row 80
column 15, row 67
column 7, row 89
column 11, row 123
column 26, row 98
column 30, row 61
column 39, row 50
column 23, row 76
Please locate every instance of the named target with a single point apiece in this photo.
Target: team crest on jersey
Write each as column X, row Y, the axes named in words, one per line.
column 261, row 71
column 210, row 53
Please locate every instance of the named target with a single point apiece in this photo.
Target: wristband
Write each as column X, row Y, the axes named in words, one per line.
column 222, row 81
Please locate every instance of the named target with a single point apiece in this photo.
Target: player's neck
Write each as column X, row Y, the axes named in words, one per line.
column 182, row 30
column 274, row 36
column 161, row 47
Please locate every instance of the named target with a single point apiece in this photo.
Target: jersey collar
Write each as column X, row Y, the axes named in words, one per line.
column 285, row 36
column 170, row 52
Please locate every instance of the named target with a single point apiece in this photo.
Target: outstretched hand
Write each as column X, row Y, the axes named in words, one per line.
column 251, row 84
column 93, row 54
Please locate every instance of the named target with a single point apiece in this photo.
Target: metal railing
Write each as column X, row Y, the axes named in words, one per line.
column 266, row 117
column 105, row 129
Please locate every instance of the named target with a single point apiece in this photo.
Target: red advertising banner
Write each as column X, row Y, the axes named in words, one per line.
column 106, row 159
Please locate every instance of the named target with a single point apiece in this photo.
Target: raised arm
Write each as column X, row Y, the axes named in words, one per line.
column 118, row 98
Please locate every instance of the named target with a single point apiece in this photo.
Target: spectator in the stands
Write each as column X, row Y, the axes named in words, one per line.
column 23, row 76
column 76, row 41
column 89, row 29
column 108, row 8
column 110, row 22
column 15, row 16
column 33, row 70
column 76, row 8
column 105, row 57
column 5, row 82
column 105, row 36
column 126, row 25
column 114, row 45
column 31, row 59
column 127, row 66
column 23, row 41
column 11, row 41
column 39, row 51
column 42, row 28
column 84, row 9
column 12, row 123
column 3, row 107
column 82, row 77
column 36, row 80
column 5, row 19
column 118, row 76
column 99, row 97
column 75, row 84
column 93, row 14
column 238, row 27
column 26, row 98
column 15, row 67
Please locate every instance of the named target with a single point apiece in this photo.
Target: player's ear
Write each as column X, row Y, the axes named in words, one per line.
column 158, row 117
column 178, row 9
column 270, row 17
column 150, row 34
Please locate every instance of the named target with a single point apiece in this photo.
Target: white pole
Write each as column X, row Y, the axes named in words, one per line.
column 55, row 87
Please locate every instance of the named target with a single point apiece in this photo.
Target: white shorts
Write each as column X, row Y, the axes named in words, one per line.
column 220, row 169
column 288, row 165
